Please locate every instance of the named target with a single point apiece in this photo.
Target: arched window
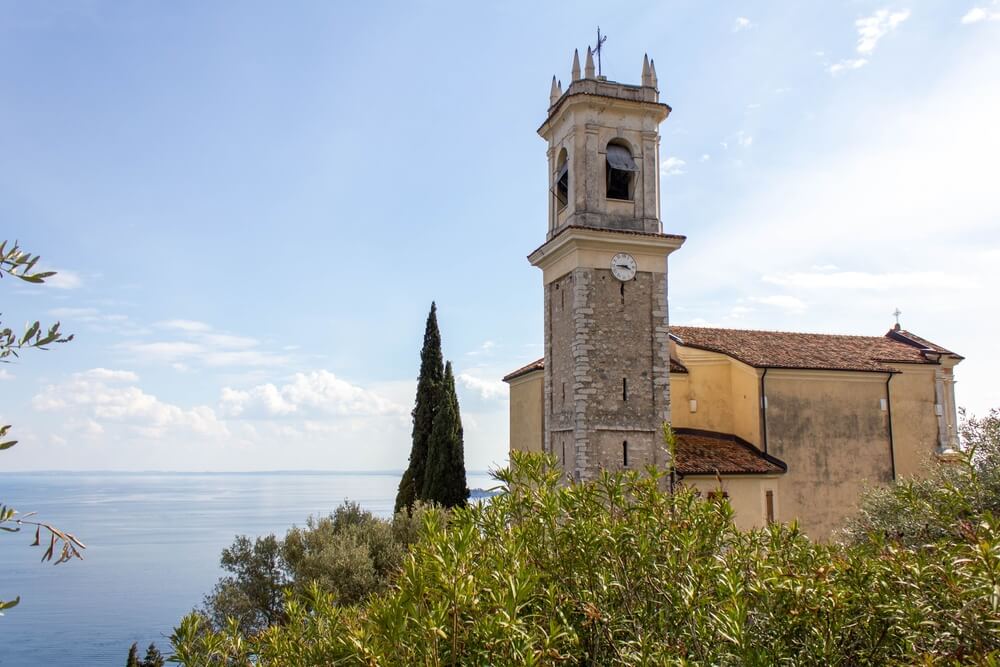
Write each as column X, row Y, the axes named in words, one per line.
column 621, row 171
column 562, row 180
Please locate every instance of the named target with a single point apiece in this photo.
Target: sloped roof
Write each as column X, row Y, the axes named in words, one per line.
column 537, row 365
column 706, row 453
column 784, row 349
column 905, row 336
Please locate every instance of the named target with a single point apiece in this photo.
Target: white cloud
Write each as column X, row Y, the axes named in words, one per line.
column 6, row 375
column 487, row 389
column 847, row 65
column 100, row 396
column 64, row 279
column 871, row 29
column 705, row 157
column 672, row 166
column 742, row 23
column 316, row 393
column 743, row 139
column 978, row 14
column 199, row 343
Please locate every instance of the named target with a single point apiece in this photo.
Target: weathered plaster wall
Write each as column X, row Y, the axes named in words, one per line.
column 914, row 423
column 746, row 495
column 526, row 404
column 831, row 431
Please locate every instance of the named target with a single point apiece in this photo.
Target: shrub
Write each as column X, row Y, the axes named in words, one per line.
column 945, row 501
column 348, row 554
column 621, row 572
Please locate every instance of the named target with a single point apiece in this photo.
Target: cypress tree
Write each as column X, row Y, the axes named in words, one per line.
column 133, row 656
column 428, row 389
column 153, row 657
column 445, row 481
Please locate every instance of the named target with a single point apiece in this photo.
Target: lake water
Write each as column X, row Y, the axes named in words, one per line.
column 153, row 544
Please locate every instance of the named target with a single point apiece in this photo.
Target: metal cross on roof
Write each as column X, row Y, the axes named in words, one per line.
column 597, row 49
column 896, row 313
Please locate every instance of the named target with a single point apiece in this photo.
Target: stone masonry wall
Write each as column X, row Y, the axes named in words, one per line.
column 607, row 370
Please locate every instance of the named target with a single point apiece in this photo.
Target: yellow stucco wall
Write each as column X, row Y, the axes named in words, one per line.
column 726, row 390
column 831, row 431
column 709, row 383
column 746, row 495
column 526, row 407
column 827, row 426
column 914, row 423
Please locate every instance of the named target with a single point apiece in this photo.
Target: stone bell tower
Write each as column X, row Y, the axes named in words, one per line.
column 604, row 268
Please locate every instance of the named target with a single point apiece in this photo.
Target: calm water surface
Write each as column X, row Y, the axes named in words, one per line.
column 153, row 550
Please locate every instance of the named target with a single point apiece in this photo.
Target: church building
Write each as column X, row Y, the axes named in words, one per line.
column 785, row 425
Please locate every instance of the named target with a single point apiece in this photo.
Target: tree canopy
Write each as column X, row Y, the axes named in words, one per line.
column 436, row 471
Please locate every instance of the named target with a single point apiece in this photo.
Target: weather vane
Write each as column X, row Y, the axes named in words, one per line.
column 597, row 49
column 897, row 313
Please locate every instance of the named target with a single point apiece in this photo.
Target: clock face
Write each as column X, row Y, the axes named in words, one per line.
column 623, row 266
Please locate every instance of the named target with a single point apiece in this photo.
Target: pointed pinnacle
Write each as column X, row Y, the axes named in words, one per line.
column 553, row 92
column 646, row 78
column 652, row 74
column 576, row 65
column 588, row 69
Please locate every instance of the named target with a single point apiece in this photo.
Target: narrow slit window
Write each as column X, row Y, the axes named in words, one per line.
column 564, row 393
column 564, row 453
column 623, row 293
column 624, row 389
column 621, row 169
column 625, row 453
column 769, row 505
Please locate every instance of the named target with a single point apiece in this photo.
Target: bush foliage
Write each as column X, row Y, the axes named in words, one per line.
column 348, row 555
column 621, row 572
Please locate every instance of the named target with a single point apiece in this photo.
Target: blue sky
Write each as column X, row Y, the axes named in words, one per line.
column 252, row 205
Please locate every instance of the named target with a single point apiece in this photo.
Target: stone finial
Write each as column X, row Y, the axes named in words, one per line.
column 652, row 75
column 647, row 79
column 576, row 65
column 553, row 92
column 588, row 69
column 559, row 87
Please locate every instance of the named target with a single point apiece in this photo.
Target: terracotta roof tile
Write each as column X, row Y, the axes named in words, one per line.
column 783, row 349
column 704, row 453
column 536, row 365
column 905, row 336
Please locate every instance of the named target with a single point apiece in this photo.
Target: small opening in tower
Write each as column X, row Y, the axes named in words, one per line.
column 620, row 171
column 564, row 453
column 769, row 505
column 564, row 393
column 624, row 389
column 562, row 181
column 623, row 293
column 625, row 453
